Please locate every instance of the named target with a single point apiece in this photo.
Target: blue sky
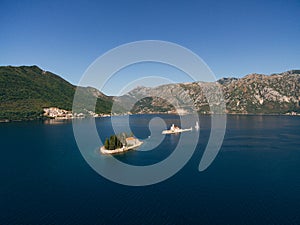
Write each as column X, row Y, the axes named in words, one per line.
column 234, row 38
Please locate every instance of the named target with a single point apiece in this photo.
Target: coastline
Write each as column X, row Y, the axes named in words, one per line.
column 105, row 151
column 202, row 114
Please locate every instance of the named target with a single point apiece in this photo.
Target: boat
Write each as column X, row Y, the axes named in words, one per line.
column 197, row 126
column 175, row 129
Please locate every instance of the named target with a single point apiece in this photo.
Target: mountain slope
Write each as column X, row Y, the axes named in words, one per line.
column 254, row 93
column 26, row 90
column 258, row 93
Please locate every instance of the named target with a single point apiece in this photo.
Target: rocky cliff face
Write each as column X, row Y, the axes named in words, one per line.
column 257, row 93
column 254, row 93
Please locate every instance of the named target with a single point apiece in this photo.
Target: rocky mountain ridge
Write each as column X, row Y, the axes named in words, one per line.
column 252, row 94
column 26, row 90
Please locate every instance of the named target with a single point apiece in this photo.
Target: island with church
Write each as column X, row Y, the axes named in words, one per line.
column 120, row 143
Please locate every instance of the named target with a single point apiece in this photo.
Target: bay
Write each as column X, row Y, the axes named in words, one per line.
column 255, row 178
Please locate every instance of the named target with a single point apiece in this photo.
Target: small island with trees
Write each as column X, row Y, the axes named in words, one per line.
column 120, row 143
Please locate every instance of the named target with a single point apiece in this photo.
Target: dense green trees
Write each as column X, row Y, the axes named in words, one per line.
column 113, row 143
column 116, row 141
column 106, row 143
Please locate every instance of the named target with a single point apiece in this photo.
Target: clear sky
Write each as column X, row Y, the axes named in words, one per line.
column 234, row 38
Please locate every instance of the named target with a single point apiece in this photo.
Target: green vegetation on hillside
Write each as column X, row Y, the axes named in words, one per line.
column 152, row 104
column 26, row 90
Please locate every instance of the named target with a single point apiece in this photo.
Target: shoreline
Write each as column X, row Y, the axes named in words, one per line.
column 105, row 151
column 200, row 114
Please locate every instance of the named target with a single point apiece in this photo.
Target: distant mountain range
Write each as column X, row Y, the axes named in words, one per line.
column 26, row 90
column 252, row 94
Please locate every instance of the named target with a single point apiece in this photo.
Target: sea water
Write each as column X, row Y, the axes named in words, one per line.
column 255, row 178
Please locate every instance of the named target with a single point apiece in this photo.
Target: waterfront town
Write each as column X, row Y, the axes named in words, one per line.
column 57, row 113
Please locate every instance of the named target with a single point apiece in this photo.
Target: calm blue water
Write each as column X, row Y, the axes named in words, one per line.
column 255, row 179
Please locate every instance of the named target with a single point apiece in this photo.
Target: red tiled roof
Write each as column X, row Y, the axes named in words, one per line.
column 130, row 138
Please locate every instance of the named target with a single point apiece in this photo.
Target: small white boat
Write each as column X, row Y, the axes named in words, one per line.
column 175, row 129
column 197, row 126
